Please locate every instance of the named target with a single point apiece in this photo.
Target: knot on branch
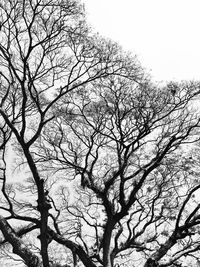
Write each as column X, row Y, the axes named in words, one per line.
column 44, row 205
column 184, row 233
column 46, row 236
column 151, row 263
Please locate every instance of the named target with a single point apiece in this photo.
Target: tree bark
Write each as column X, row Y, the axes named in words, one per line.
column 43, row 206
column 107, row 262
column 18, row 245
column 151, row 263
column 77, row 249
column 164, row 248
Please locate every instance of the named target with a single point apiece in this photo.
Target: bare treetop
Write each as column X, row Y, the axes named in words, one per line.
column 106, row 161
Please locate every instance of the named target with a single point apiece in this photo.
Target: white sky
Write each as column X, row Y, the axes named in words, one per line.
column 164, row 34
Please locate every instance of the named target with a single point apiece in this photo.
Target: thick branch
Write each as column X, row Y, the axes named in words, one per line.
column 18, row 245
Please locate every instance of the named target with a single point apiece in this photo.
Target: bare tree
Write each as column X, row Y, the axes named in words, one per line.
column 128, row 150
column 105, row 173
column 46, row 53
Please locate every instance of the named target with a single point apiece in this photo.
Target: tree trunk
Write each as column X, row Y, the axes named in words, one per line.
column 107, row 261
column 43, row 206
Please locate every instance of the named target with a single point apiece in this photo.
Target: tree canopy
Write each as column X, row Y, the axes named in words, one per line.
column 99, row 165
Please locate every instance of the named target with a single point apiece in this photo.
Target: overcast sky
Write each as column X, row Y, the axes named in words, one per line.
column 165, row 34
